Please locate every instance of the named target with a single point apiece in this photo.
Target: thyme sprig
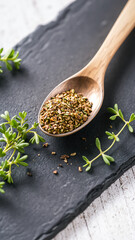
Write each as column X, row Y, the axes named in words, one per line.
column 14, row 134
column 112, row 136
column 8, row 57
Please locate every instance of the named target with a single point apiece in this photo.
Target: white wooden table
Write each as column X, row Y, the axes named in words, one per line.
column 112, row 215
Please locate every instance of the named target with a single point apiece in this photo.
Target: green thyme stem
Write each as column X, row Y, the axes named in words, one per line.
column 12, row 155
column 109, row 146
column 102, row 152
column 9, row 171
column 115, row 137
column 14, row 134
column 10, row 57
column 30, row 130
column 7, row 149
column 10, row 146
column 126, row 123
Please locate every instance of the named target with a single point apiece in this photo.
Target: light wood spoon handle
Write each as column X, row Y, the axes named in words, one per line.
column 119, row 32
column 90, row 80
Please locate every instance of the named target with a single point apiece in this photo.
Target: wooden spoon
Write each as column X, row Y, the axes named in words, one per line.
column 90, row 80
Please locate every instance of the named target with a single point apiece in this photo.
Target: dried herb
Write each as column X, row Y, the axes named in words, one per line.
column 64, row 156
column 8, row 57
column 45, row 145
column 80, row 169
column 84, row 139
column 53, row 153
column 29, row 174
column 112, row 136
column 73, row 154
column 65, row 112
column 55, row 172
column 65, row 160
column 14, row 133
column 60, row 165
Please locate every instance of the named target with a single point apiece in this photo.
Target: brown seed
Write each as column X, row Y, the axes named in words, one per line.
column 65, row 160
column 29, row 174
column 55, row 172
column 110, row 126
column 45, row 144
column 85, row 117
column 80, row 169
column 73, row 154
column 60, row 165
column 53, row 153
column 84, row 139
column 64, row 156
column 39, row 154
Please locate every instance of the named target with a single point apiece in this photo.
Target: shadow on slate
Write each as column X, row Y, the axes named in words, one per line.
column 39, row 207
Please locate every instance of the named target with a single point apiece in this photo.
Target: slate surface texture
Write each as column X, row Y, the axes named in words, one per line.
column 38, row 207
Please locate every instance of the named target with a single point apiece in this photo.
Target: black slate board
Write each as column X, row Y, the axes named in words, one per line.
column 39, row 207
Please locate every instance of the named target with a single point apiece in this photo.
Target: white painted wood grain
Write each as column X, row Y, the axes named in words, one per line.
column 112, row 215
column 109, row 217
column 19, row 18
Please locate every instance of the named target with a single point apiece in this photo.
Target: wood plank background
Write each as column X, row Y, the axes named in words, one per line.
column 112, row 215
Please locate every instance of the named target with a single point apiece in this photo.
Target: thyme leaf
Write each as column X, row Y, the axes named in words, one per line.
column 8, row 57
column 14, row 133
column 116, row 112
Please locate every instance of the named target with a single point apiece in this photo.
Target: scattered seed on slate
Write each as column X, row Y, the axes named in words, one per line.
column 55, row 172
column 64, row 156
column 29, row 174
column 73, row 154
column 53, row 153
column 60, row 165
column 80, row 169
column 84, row 139
column 45, row 145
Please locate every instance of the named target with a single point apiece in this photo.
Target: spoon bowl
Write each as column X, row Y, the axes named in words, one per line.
column 90, row 80
column 81, row 84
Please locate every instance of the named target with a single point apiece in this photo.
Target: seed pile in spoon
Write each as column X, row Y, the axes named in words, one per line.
column 65, row 112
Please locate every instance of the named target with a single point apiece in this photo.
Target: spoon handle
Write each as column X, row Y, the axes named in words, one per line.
column 119, row 32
